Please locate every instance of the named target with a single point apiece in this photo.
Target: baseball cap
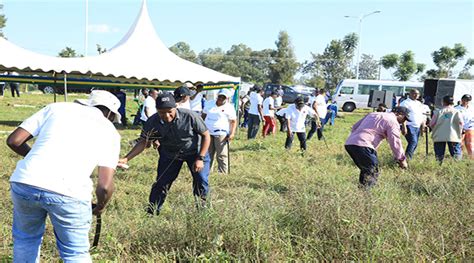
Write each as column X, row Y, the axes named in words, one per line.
column 400, row 110
column 103, row 98
column 182, row 91
column 466, row 97
column 224, row 92
column 165, row 100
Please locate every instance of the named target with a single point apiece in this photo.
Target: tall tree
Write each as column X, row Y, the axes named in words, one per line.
column 404, row 65
column 184, row 51
column 3, row 20
column 261, row 61
column 465, row 74
column 285, row 65
column 446, row 59
column 68, row 52
column 333, row 65
column 212, row 58
column 368, row 67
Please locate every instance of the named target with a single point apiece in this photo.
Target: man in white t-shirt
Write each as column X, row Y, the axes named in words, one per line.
column 54, row 180
column 269, row 114
column 195, row 101
column 149, row 106
column 255, row 112
column 182, row 96
column 415, row 123
column 221, row 120
column 296, row 116
column 318, row 104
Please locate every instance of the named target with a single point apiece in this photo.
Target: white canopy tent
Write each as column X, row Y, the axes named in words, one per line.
column 140, row 57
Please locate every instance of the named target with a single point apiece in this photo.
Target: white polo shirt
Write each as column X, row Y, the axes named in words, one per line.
column 468, row 116
column 267, row 103
column 71, row 141
column 196, row 104
column 415, row 112
column 255, row 100
column 321, row 106
column 297, row 117
column 149, row 103
column 218, row 117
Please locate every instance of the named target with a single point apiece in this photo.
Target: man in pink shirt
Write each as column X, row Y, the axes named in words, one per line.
column 366, row 136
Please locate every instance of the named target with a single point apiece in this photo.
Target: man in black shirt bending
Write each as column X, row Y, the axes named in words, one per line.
column 181, row 136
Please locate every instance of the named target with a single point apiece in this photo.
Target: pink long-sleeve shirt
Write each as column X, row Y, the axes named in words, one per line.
column 373, row 128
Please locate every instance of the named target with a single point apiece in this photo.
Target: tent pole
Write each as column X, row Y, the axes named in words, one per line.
column 65, row 86
column 54, row 86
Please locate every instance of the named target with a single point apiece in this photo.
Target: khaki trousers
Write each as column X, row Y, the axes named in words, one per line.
column 219, row 148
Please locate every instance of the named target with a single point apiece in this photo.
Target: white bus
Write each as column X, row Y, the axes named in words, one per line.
column 354, row 93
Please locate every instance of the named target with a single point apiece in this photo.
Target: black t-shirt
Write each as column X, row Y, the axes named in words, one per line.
column 177, row 138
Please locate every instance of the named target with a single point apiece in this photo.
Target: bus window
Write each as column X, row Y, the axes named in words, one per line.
column 347, row 90
column 365, row 89
column 397, row 90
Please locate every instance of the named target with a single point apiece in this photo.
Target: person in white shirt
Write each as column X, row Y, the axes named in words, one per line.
column 415, row 123
column 467, row 112
column 269, row 114
column 195, row 101
column 149, row 106
column 182, row 96
column 54, row 178
column 296, row 116
column 278, row 105
column 318, row 104
column 221, row 120
column 255, row 112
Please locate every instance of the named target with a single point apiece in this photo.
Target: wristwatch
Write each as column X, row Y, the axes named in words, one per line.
column 201, row 158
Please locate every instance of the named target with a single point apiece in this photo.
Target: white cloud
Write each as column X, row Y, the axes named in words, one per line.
column 102, row 28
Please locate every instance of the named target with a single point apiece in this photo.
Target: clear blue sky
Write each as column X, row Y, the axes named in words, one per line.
column 47, row 26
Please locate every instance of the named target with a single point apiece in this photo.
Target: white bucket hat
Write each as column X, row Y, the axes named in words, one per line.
column 104, row 98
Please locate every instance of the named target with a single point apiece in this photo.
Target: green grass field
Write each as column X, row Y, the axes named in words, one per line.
column 276, row 205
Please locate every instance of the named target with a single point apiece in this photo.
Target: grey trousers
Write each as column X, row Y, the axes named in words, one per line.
column 220, row 149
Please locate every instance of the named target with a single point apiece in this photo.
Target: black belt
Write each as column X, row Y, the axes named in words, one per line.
column 220, row 131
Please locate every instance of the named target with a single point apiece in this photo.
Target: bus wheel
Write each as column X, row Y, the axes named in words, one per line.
column 348, row 107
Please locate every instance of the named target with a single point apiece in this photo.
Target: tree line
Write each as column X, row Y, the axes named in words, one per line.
column 279, row 65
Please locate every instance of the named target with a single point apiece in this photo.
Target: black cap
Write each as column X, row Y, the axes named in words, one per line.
column 466, row 97
column 165, row 100
column 401, row 110
column 182, row 91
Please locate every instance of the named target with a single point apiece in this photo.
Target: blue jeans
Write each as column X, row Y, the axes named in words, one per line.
column 412, row 139
column 253, row 125
column 366, row 160
column 330, row 117
column 454, row 149
column 71, row 219
column 168, row 170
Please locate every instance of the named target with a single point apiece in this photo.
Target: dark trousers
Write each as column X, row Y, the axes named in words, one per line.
column 168, row 170
column 14, row 87
column 246, row 119
column 314, row 128
column 2, row 88
column 301, row 138
column 254, row 124
column 412, row 136
column 283, row 123
column 454, row 148
column 366, row 160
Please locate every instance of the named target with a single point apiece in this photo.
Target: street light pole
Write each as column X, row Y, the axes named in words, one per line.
column 86, row 40
column 360, row 18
